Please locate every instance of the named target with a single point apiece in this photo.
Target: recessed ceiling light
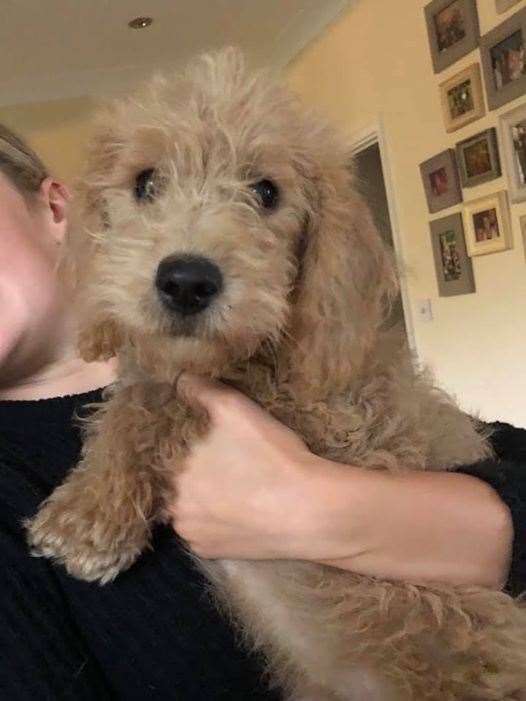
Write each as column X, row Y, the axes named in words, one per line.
column 140, row 22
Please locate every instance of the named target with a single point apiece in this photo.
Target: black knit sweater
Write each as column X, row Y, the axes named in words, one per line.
column 507, row 476
column 153, row 633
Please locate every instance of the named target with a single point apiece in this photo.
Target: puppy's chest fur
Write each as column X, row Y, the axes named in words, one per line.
column 374, row 423
column 379, row 421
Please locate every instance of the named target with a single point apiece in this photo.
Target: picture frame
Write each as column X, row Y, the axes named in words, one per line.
column 522, row 223
column 513, row 140
column 478, row 158
column 487, row 224
column 453, row 30
column 505, row 5
column 453, row 266
column 440, row 181
column 503, row 52
column 462, row 98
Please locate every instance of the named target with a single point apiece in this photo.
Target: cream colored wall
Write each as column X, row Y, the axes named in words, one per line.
column 374, row 65
column 57, row 130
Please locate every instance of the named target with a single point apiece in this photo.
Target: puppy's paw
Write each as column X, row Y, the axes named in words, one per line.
column 78, row 533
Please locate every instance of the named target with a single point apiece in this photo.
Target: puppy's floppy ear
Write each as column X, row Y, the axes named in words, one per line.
column 99, row 336
column 103, row 150
column 346, row 285
column 88, row 217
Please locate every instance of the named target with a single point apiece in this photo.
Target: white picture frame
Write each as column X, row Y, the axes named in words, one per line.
column 487, row 224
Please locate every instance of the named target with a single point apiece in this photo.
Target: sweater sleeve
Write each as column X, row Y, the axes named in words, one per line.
column 507, row 475
column 43, row 655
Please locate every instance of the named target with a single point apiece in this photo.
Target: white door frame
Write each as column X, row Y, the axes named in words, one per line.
column 375, row 134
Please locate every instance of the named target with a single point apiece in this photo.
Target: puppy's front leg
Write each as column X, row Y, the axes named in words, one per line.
column 99, row 520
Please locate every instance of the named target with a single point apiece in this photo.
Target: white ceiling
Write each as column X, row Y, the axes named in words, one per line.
column 51, row 49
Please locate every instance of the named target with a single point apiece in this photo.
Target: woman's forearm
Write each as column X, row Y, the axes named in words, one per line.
column 252, row 490
column 428, row 526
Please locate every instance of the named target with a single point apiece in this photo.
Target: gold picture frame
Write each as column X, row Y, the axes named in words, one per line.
column 487, row 224
column 462, row 98
column 505, row 5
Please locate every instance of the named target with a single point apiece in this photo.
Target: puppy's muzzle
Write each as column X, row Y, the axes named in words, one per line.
column 188, row 284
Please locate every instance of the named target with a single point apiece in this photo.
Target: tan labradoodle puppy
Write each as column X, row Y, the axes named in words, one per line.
column 222, row 233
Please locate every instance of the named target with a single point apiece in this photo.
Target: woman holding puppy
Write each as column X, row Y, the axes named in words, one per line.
column 153, row 633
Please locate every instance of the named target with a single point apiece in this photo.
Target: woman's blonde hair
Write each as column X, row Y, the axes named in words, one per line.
column 19, row 163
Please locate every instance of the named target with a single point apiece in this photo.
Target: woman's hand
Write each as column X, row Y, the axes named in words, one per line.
column 252, row 490
column 246, row 485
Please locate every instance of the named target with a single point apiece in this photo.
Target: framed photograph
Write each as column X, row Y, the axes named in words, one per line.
column 453, row 30
column 487, row 224
column 503, row 60
column 440, row 180
column 478, row 158
column 513, row 135
column 504, row 5
column 462, row 98
column 453, row 267
column 522, row 222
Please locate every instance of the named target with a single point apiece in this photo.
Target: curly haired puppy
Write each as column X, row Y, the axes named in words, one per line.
column 222, row 233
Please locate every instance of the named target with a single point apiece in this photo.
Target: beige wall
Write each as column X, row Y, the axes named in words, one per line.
column 374, row 65
column 57, row 130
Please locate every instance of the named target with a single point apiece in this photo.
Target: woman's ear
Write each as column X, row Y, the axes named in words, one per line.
column 55, row 197
column 347, row 283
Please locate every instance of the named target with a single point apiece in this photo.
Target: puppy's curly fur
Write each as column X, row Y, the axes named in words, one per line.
column 298, row 326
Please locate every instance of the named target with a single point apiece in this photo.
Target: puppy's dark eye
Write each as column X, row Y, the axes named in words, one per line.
column 146, row 185
column 267, row 192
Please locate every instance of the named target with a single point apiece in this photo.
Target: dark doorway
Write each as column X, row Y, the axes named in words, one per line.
column 371, row 183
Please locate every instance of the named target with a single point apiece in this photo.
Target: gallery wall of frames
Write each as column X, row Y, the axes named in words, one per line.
column 497, row 77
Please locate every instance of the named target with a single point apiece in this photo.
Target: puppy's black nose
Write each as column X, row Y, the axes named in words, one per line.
column 187, row 284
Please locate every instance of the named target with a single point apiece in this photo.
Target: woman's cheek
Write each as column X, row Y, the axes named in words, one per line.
column 13, row 313
column 29, row 299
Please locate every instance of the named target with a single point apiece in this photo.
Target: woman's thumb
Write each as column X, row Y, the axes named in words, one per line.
column 196, row 388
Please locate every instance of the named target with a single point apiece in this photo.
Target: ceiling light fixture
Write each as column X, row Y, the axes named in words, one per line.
column 140, row 22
